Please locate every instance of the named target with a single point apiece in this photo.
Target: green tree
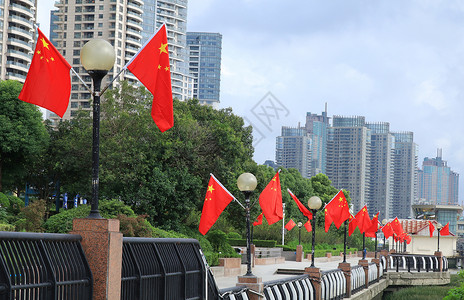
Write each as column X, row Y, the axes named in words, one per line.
column 161, row 175
column 23, row 136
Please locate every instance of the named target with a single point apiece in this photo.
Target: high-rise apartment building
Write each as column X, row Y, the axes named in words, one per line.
column 438, row 184
column 317, row 128
column 405, row 161
column 376, row 165
column 205, row 65
column 126, row 24
column 17, row 38
column 380, row 192
column 348, row 150
column 293, row 150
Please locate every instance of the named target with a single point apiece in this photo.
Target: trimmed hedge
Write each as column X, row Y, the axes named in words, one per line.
column 257, row 243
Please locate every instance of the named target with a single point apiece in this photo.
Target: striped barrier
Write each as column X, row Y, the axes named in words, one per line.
column 416, row 263
column 333, row 284
column 294, row 288
column 372, row 273
column 358, row 279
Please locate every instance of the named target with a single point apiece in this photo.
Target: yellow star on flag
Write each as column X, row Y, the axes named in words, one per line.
column 163, row 48
column 166, row 69
column 210, row 189
column 159, row 66
column 44, row 43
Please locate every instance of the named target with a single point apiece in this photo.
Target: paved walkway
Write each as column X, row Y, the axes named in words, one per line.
column 267, row 272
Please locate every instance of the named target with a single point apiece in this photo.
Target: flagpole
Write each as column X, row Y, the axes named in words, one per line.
column 80, row 78
column 283, row 222
column 344, row 242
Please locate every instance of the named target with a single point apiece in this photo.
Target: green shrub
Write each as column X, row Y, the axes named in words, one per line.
column 7, row 227
column 62, row 222
column 136, row 226
column 34, row 214
column 257, row 243
column 233, row 235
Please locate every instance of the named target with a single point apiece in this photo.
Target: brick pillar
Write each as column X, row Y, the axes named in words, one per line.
column 365, row 264
column 253, row 283
column 439, row 254
column 346, row 268
column 102, row 245
column 377, row 263
column 299, row 253
column 315, row 277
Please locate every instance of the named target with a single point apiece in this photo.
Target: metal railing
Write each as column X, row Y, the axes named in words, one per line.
column 292, row 288
column 414, row 262
column 333, row 284
column 162, row 269
column 234, row 293
column 358, row 279
column 372, row 273
column 43, row 266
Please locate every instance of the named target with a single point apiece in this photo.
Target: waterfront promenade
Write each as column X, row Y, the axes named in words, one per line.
column 268, row 272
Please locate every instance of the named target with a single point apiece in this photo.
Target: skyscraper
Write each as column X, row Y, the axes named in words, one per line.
column 293, row 150
column 17, row 37
column 380, row 193
column 438, row 184
column 404, row 174
column 205, row 65
column 126, row 24
column 317, row 128
column 348, row 150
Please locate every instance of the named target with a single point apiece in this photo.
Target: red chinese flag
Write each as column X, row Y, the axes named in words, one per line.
column 48, row 82
column 364, row 222
column 259, row 220
column 338, row 209
column 353, row 223
column 387, row 230
column 289, row 226
column 301, row 207
column 374, row 226
column 308, row 226
column 431, row 228
column 445, row 230
column 270, row 201
column 328, row 220
column 407, row 238
column 397, row 227
column 216, row 200
column 151, row 66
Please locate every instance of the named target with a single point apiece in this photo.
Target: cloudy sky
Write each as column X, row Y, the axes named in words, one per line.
column 393, row 61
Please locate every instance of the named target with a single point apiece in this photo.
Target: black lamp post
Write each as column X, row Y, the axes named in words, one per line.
column 299, row 224
column 314, row 204
column 439, row 227
column 247, row 184
column 97, row 57
column 384, row 222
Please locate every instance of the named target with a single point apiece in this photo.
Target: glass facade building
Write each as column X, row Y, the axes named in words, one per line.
column 438, row 184
column 205, row 65
column 293, row 150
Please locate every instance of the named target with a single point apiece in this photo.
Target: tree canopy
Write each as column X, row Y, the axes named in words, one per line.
column 23, row 137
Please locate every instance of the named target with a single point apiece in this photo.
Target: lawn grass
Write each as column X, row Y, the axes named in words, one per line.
column 425, row 292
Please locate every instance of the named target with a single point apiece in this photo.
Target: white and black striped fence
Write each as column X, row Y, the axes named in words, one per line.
column 333, row 284
column 358, row 279
column 294, row 288
column 416, row 263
